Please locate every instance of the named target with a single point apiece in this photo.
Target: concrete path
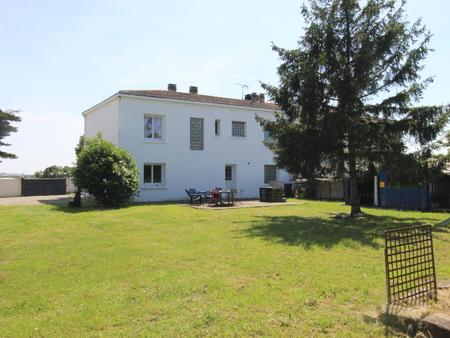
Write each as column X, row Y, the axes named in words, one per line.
column 36, row 200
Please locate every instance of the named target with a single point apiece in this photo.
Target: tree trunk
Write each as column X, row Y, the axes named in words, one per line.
column 76, row 203
column 354, row 193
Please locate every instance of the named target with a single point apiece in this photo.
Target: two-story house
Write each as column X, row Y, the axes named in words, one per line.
column 187, row 140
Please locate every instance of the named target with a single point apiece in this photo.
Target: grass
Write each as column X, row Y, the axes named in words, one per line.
column 170, row 270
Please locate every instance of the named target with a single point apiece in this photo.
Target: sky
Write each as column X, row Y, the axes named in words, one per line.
column 58, row 58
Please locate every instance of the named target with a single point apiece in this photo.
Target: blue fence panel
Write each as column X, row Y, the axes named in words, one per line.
column 412, row 198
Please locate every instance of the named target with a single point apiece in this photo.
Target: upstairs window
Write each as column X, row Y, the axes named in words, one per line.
column 217, row 127
column 152, row 127
column 267, row 135
column 196, row 137
column 238, row 129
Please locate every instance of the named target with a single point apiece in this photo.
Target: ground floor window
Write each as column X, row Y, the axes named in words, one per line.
column 154, row 173
column 228, row 173
column 270, row 173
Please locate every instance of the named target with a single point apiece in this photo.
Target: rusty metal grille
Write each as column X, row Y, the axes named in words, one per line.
column 410, row 272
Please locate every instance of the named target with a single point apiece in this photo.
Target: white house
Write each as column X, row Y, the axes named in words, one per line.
column 187, row 140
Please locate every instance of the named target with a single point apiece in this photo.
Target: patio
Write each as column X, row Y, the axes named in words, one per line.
column 244, row 204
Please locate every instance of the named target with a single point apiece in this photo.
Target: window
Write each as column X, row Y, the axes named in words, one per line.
column 154, row 174
column 152, row 127
column 196, row 127
column 228, row 173
column 270, row 173
column 217, row 127
column 238, row 129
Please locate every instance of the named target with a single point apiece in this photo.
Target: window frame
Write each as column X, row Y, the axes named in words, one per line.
column 203, row 133
column 217, row 127
column 161, row 127
column 152, row 183
column 229, row 178
column 245, row 129
column 276, row 172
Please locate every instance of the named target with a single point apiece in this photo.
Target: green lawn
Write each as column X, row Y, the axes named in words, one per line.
column 170, row 270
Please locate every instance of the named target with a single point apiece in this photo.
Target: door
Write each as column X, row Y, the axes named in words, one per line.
column 230, row 176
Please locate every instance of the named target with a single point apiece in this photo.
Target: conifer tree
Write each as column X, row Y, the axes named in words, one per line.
column 368, row 69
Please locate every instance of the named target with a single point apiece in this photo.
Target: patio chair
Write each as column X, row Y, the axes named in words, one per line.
column 194, row 199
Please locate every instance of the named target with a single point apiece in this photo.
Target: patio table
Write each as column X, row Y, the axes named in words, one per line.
column 227, row 197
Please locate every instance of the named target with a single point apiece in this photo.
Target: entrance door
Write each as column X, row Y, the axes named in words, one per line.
column 230, row 176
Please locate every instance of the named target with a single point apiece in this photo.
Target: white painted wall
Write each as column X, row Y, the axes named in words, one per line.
column 70, row 185
column 103, row 119
column 185, row 168
column 10, row 187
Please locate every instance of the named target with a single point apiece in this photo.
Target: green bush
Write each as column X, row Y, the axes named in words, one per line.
column 107, row 172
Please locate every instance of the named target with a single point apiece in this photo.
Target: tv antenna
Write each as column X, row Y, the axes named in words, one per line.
column 242, row 88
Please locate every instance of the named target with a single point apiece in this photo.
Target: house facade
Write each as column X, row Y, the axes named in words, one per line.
column 187, row 140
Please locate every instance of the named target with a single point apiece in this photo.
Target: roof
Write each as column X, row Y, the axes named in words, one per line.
column 172, row 95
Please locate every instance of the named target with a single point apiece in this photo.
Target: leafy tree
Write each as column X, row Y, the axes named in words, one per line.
column 6, row 128
column 369, row 64
column 107, row 172
column 54, row 171
column 297, row 137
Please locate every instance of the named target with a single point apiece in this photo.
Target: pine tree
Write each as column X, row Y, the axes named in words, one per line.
column 6, row 128
column 369, row 65
column 294, row 133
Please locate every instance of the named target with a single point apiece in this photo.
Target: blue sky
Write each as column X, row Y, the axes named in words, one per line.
column 60, row 57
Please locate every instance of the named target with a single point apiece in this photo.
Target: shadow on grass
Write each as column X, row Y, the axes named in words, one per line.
column 328, row 232
column 91, row 206
column 87, row 206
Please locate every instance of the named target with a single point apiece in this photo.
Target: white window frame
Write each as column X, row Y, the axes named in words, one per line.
column 163, row 175
column 245, row 129
column 231, row 172
column 276, row 172
column 153, row 116
column 217, row 128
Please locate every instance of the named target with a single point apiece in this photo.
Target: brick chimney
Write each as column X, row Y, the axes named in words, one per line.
column 193, row 89
column 172, row 87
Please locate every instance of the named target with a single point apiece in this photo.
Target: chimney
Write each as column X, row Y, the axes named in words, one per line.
column 248, row 97
column 261, row 97
column 254, row 97
column 172, row 87
column 193, row 89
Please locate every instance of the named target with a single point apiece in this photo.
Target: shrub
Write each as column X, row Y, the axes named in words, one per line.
column 107, row 172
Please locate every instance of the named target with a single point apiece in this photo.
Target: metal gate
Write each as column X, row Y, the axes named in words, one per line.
column 43, row 186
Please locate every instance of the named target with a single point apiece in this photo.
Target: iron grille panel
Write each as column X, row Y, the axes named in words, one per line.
column 410, row 269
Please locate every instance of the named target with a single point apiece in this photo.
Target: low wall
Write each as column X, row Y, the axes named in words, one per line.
column 10, row 187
